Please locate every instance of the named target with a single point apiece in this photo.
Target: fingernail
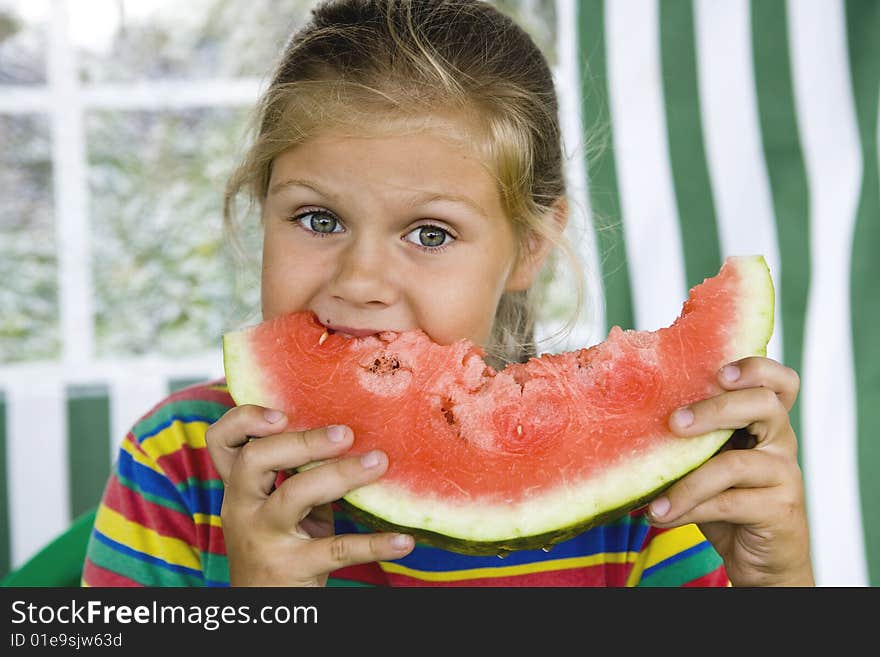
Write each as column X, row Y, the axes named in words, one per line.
column 683, row 417
column 272, row 416
column 401, row 541
column 659, row 507
column 370, row 459
column 336, row 433
column 730, row 373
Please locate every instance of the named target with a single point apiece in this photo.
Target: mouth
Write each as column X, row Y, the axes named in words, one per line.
column 349, row 332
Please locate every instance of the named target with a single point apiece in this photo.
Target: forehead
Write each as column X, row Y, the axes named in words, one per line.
column 439, row 155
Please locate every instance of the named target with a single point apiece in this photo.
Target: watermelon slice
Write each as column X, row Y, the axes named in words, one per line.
column 486, row 462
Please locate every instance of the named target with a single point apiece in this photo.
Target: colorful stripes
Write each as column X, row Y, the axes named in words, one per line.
column 159, row 521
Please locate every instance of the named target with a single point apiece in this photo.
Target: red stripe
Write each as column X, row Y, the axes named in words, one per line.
column 367, row 573
column 165, row 521
column 94, row 575
column 211, row 539
column 604, row 575
column 203, row 391
column 186, row 462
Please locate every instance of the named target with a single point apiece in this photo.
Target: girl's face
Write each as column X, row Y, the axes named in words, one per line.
column 388, row 233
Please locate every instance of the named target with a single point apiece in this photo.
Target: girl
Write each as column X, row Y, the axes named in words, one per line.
column 408, row 169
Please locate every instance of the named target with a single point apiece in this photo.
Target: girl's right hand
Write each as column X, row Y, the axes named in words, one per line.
column 285, row 536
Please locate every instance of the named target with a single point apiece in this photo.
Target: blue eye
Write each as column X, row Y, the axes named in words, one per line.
column 429, row 237
column 319, row 221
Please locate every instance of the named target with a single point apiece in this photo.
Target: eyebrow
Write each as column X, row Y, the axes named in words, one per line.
column 417, row 199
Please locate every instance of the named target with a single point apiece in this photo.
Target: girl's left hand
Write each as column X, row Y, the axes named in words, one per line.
column 749, row 503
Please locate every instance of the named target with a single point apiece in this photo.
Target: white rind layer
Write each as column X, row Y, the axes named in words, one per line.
column 242, row 373
column 565, row 506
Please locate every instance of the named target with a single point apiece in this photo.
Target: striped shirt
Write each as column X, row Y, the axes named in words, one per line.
column 158, row 524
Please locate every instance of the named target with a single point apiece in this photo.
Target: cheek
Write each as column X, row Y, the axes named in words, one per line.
column 461, row 310
column 282, row 285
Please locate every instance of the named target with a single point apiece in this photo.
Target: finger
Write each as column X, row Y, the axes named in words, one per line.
column 735, row 469
column 328, row 554
column 226, row 436
column 322, row 484
column 739, row 506
column 754, row 372
column 758, row 409
column 255, row 470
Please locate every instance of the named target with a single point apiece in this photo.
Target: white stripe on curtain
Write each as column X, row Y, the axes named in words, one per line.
column 832, row 156
column 732, row 133
column 648, row 206
column 37, row 466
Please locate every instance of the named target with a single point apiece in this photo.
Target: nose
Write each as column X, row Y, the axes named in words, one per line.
column 363, row 275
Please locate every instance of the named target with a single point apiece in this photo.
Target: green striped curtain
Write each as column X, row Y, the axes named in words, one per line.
column 723, row 127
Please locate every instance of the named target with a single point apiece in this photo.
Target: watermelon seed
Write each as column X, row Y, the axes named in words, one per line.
column 518, row 429
column 322, row 338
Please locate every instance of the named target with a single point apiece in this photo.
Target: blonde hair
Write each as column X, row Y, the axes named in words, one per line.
column 389, row 64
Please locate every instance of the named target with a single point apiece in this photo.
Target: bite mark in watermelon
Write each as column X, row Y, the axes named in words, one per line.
column 484, row 461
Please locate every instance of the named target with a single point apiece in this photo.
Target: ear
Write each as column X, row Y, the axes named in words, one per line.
column 536, row 250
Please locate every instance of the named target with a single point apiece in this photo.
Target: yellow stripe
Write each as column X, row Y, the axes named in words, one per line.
column 117, row 528
column 507, row 571
column 207, row 519
column 174, row 436
column 663, row 546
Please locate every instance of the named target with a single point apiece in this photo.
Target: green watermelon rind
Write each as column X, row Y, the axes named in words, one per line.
column 554, row 517
column 485, row 529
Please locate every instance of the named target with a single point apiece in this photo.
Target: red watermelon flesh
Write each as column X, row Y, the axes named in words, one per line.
column 482, row 461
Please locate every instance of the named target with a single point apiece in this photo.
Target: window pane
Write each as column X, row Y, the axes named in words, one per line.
column 23, row 41
column 123, row 40
column 164, row 279
column 28, row 263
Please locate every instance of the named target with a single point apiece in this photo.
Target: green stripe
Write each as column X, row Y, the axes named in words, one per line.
column 690, row 170
column 863, row 26
column 604, row 192
column 683, row 570
column 336, row 582
column 215, row 567
column 194, row 482
column 211, row 411
column 135, row 569
column 88, row 455
column 787, row 173
column 5, row 529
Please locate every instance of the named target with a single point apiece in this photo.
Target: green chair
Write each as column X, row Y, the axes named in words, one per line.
column 60, row 562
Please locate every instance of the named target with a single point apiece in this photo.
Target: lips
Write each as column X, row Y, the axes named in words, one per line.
column 349, row 332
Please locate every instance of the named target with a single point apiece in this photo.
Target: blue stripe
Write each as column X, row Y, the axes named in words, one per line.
column 146, row 558
column 204, row 500
column 148, row 480
column 678, row 556
column 194, row 497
